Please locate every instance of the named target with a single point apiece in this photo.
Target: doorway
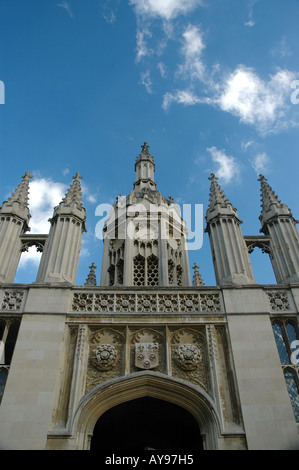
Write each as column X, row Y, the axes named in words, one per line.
column 146, row 424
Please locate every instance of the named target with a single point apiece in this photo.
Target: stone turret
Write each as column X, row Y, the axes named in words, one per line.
column 14, row 221
column 279, row 224
column 59, row 262
column 145, row 236
column 229, row 251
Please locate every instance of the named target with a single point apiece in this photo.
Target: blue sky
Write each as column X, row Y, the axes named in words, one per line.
column 211, row 85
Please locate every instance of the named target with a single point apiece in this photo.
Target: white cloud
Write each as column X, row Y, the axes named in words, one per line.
column 260, row 163
column 192, row 48
column 254, row 101
column 228, row 167
column 44, row 195
column 165, row 9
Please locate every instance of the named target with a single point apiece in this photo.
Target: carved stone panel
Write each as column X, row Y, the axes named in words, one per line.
column 146, row 355
column 147, row 350
column 188, row 354
column 106, row 356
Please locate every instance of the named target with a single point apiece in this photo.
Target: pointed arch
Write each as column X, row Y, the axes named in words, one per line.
column 147, row 383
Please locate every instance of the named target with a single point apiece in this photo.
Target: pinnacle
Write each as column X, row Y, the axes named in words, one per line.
column 217, row 196
column 267, row 194
column 91, row 278
column 271, row 205
column 197, row 279
column 21, row 193
column 74, row 193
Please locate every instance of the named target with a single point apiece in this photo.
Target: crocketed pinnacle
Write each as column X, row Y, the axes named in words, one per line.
column 144, row 155
column 21, row 193
column 74, row 194
column 268, row 197
column 197, row 279
column 217, row 196
column 91, row 278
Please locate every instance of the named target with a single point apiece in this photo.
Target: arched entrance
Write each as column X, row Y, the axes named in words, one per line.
column 146, row 423
column 167, row 390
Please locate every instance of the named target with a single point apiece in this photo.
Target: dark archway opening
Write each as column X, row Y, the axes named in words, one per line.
column 144, row 424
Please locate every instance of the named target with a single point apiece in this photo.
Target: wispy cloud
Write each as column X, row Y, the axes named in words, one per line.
column 227, row 168
column 184, row 97
column 193, row 46
column 282, row 50
column 109, row 9
column 261, row 163
column 147, row 81
column 66, row 5
column 250, row 20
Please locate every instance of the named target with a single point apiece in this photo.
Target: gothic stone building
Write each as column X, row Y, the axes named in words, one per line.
column 148, row 359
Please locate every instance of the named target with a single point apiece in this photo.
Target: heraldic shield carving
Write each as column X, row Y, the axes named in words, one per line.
column 146, row 355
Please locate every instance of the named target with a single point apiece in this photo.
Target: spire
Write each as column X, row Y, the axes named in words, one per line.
column 91, row 278
column 197, row 279
column 267, row 193
column 21, row 193
column 19, row 200
column 271, row 205
column 72, row 201
column 217, row 196
column 74, row 194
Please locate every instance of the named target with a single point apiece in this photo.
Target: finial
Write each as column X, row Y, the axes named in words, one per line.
column 145, row 147
column 77, row 176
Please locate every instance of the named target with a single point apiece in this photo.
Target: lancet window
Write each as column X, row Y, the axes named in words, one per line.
column 287, row 341
column 116, row 267
column 9, row 328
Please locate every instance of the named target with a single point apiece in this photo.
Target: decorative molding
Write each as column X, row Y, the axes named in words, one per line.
column 279, row 301
column 189, row 301
column 12, row 300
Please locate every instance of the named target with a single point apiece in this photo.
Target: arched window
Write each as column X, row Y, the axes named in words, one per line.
column 292, row 386
column 287, row 341
column 9, row 328
column 280, row 343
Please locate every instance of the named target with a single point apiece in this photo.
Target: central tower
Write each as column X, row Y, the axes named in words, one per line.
column 145, row 237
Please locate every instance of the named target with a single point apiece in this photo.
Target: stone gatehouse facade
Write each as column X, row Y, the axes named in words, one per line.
column 223, row 357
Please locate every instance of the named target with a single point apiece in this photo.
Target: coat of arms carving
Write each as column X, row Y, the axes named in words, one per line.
column 146, row 355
